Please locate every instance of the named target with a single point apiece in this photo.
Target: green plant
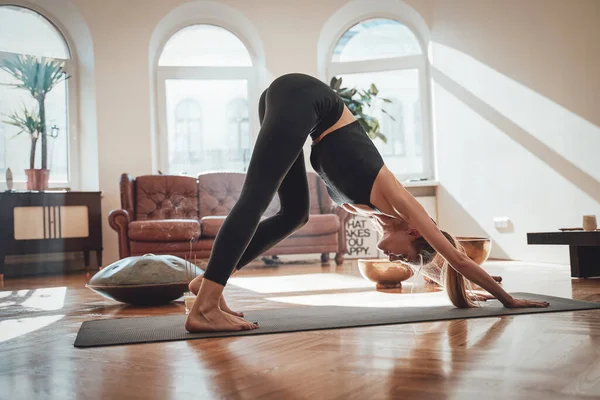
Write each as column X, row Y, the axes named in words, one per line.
column 37, row 75
column 360, row 105
column 27, row 121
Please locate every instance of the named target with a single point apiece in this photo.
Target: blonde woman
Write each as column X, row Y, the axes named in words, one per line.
column 293, row 108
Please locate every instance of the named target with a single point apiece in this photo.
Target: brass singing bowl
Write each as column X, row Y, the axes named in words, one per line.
column 384, row 272
column 388, row 274
column 477, row 248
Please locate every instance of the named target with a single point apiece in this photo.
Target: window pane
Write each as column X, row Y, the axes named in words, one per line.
column 393, row 126
column 207, row 125
column 207, row 46
column 58, row 127
column 26, row 32
column 15, row 150
column 238, row 130
column 376, row 39
column 402, row 153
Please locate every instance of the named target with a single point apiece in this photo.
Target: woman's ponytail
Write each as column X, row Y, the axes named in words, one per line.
column 436, row 268
column 454, row 283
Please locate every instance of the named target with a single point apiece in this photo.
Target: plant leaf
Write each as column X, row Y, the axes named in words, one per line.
column 373, row 89
column 381, row 136
column 388, row 114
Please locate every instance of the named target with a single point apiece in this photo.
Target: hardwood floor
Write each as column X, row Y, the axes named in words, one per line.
column 555, row 355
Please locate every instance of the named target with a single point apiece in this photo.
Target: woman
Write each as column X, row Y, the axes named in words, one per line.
column 292, row 108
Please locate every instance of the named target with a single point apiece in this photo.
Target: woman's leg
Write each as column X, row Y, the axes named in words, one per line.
column 293, row 214
column 294, row 206
column 294, row 198
column 279, row 144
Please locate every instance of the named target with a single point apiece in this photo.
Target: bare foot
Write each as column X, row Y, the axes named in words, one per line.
column 195, row 287
column 224, row 307
column 215, row 320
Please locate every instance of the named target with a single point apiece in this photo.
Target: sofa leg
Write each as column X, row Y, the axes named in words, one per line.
column 339, row 259
column 325, row 258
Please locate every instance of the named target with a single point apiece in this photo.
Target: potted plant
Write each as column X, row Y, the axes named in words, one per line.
column 358, row 105
column 37, row 75
column 29, row 122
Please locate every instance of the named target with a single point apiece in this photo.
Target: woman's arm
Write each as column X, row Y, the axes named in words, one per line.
column 397, row 200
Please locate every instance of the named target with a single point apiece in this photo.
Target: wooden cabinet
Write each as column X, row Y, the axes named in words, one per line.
column 48, row 222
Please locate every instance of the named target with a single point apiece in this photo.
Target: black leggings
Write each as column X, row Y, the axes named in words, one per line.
column 289, row 111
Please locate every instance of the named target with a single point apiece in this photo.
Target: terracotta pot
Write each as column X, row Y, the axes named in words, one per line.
column 478, row 248
column 37, row 179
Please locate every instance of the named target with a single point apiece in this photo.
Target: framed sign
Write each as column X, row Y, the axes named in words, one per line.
column 361, row 238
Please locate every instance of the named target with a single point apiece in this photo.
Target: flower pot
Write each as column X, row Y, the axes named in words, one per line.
column 37, row 179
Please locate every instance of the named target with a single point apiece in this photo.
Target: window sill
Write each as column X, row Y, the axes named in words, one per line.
column 422, row 184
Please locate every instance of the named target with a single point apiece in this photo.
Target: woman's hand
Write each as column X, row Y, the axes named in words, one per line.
column 519, row 303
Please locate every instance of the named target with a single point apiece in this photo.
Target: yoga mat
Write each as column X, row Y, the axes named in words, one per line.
column 107, row 332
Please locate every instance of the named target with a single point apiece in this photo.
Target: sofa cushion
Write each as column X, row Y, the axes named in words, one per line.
column 166, row 197
column 166, row 230
column 318, row 224
column 209, row 226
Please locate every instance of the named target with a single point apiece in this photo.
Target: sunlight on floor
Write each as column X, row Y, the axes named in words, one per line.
column 46, row 299
column 300, row 283
column 12, row 328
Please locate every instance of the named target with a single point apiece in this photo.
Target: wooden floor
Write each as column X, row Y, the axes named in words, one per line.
column 555, row 355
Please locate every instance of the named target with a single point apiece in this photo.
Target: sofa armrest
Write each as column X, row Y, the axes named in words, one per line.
column 119, row 221
column 344, row 218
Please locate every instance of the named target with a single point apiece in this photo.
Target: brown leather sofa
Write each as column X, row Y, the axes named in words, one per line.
column 166, row 214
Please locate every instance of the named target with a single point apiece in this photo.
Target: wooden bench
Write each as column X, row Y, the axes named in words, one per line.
column 584, row 249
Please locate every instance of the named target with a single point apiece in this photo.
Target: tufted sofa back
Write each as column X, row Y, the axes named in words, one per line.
column 154, row 197
column 164, row 197
column 219, row 191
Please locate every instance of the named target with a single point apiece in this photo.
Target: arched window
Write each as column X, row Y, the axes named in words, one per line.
column 385, row 52
column 238, row 131
column 392, row 124
column 187, row 142
column 209, row 67
column 26, row 32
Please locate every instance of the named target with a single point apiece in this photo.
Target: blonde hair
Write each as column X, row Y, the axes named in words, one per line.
column 443, row 273
column 436, row 268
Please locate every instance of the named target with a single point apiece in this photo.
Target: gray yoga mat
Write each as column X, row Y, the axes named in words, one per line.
column 107, row 332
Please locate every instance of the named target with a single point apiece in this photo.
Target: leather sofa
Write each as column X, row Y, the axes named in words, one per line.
column 181, row 215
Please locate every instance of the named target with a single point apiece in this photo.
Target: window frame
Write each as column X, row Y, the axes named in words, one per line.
column 73, row 163
column 164, row 73
column 419, row 62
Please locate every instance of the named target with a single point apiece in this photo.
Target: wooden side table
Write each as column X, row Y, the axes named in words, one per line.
column 49, row 222
column 584, row 249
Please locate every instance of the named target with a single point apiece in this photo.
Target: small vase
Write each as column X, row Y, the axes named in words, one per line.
column 9, row 180
column 37, row 179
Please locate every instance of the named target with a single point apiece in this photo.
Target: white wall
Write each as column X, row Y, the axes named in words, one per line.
column 516, row 100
